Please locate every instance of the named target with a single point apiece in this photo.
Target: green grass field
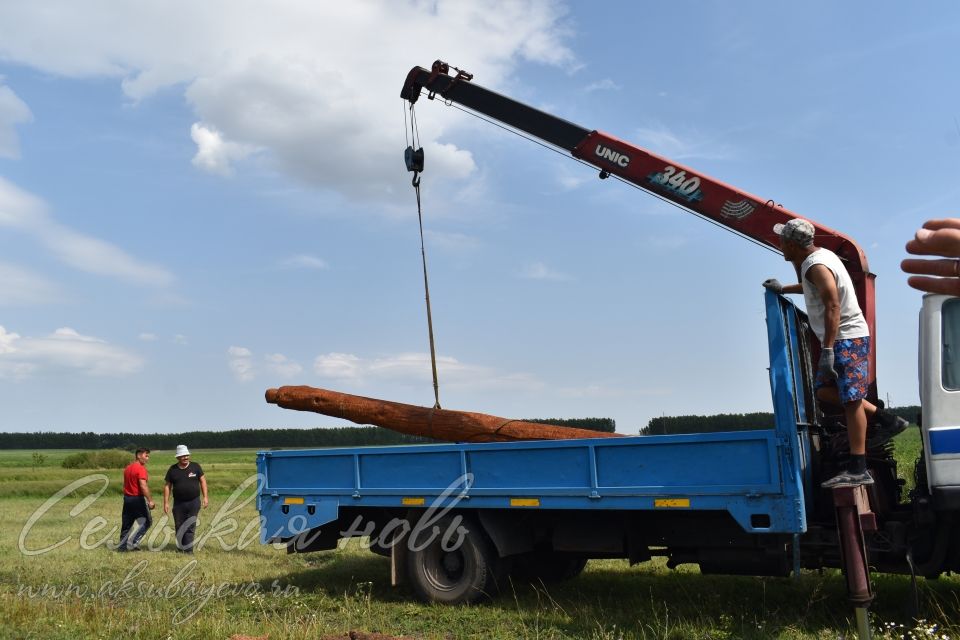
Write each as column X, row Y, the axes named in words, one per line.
column 234, row 585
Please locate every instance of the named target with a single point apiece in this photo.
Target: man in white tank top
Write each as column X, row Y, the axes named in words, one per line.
column 836, row 319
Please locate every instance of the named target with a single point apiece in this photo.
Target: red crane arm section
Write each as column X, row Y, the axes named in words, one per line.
column 739, row 210
column 744, row 212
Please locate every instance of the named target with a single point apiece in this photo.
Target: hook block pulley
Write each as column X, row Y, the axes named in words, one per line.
column 414, row 159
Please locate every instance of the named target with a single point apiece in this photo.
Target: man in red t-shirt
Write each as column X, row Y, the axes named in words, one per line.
column 137, row 502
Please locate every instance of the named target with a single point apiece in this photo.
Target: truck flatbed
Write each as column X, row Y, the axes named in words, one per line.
column 754, row 476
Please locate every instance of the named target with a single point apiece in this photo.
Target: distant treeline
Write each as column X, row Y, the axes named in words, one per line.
column 607, row 425
column 245, row 438
column 234, row 439
column 708, row 424
column 910, row 413
column 734, row 422
column 365, row 436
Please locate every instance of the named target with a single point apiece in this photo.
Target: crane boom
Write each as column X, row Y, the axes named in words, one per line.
column 743, row 212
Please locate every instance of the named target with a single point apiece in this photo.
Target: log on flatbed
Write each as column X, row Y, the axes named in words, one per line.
column 438, row 424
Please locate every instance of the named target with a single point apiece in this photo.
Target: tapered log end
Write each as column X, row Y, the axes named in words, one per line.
column 272, row 395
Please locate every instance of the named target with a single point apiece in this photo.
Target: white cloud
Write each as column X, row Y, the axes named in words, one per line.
column 456, row 163
column 214, row 154
column 179, row 339
column 19, row 209
column 148, row 337
column 27, row 213
column 281, row 365
column 7, row 340
column 540, row 271
column 681, row 146
column 13, row 111
column 313, row 85
column 340, row 366
column 415, row 368
column 65, row 350
column 99, row 257
column 20, row 286
column 606, row 84
column 305, row 262
column 570, row 181
column 241, row 363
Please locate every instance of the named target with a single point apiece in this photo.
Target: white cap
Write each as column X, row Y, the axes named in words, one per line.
column 182, row 450
column 797, row 230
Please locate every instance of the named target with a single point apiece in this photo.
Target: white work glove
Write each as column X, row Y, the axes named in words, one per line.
column 773, row 285
column 825, row 367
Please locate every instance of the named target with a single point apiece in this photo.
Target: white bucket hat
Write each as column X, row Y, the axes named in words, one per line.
column 182, row 450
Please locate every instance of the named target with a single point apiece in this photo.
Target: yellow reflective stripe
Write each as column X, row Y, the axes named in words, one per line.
column 293, row 501
column 524, row 502
column 413, row 502
column 672, row 503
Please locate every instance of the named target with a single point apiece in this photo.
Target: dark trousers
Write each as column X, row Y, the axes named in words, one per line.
column 135, row 510
column 185, row 522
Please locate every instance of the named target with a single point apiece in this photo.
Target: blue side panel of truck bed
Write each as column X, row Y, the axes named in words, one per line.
column 755, row 476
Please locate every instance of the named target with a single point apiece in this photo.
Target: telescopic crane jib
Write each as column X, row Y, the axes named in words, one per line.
column 746, row 214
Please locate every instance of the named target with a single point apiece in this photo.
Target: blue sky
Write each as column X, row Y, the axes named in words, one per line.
column 199, row 202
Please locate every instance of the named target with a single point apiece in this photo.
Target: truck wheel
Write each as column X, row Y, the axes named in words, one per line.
column 547, row 566
column 454, row 576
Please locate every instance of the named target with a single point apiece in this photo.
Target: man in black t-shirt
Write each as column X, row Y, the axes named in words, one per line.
column 188, row 484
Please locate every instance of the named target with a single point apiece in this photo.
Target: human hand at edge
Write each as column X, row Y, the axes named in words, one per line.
column 939, row 237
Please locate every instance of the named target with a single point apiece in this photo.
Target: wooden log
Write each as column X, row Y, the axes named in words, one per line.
column 439, row 424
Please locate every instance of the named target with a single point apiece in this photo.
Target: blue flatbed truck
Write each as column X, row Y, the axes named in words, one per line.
column 454, row 519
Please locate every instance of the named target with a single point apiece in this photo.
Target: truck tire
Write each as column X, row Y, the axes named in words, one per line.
column 547, row 566
column 454, row 576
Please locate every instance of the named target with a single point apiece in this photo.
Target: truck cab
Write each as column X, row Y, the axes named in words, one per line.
column 939, row 364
